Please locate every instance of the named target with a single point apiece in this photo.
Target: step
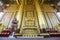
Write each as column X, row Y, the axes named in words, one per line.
column 30, row 32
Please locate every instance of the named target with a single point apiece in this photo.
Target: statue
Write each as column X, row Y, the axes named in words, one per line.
column 14, row 24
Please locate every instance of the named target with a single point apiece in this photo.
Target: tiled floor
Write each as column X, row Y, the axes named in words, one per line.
column 55, row 38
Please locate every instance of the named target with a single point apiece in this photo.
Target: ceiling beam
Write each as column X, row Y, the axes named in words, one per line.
column 42, row 1
column 17, row 2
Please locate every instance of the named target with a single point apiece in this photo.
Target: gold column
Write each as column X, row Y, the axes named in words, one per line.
column 19, row 15
column 40, row 15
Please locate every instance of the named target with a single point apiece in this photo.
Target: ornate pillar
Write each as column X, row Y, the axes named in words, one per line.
column 20, row 12
column 40, row 15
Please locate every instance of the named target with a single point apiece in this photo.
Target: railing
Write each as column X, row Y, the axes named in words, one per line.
column 12, row 17
column 45, row 19
column 10, row 20
column 6, row 19
column 2, row 17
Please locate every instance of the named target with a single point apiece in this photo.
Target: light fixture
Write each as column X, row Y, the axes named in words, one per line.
column 1, row 4
column 58, row 15
column 58, row 3
column 1, row 14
